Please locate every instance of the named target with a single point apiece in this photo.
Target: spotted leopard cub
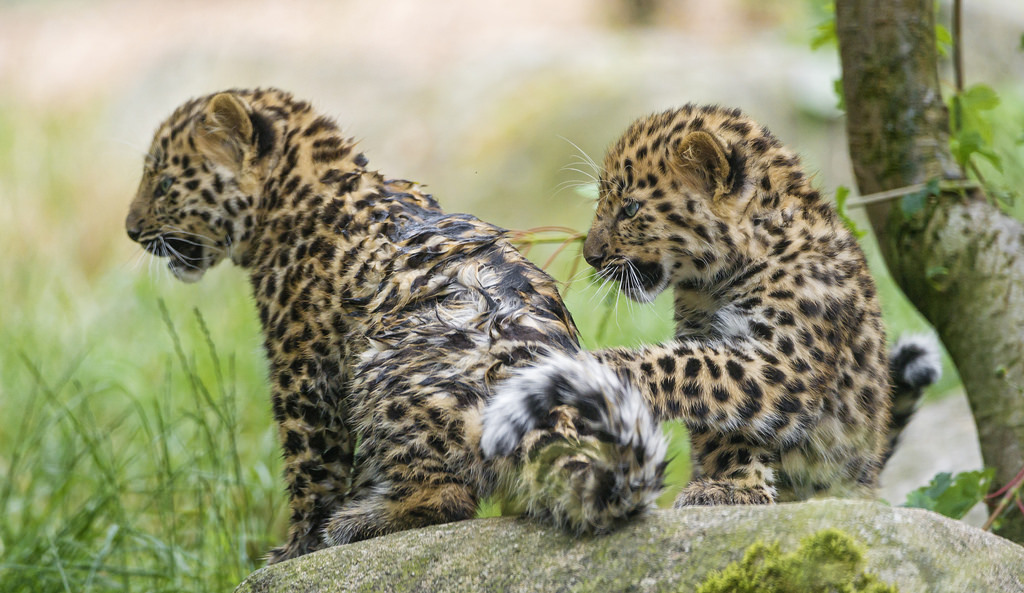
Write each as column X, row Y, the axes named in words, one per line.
column 778, row 366
column 424, row 334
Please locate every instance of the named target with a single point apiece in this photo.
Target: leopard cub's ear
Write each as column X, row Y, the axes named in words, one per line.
column 225, row 130
column 700, row 158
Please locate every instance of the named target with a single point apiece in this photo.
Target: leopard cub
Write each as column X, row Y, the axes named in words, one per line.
column 778, row 366
column 424, row 337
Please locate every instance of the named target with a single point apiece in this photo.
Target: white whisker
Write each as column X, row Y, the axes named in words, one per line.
column 615, row 307
column 136, row 261
column 229, row 242
column 579, row 275
column 205, row 241
column 572, row 184
column 180, row 256
column 196, row 243
column 575, row 166
column 583, row 155
column 634, row 285
column 149, row 157
column 585, row 163
column 152, row 274
column 602, row 283
column 589, row 181
column 597, row 284
column 608, row 286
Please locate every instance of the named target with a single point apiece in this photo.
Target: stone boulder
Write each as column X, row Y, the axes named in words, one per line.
column 668, row 550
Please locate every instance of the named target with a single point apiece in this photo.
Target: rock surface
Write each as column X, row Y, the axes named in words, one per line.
column 667, row 551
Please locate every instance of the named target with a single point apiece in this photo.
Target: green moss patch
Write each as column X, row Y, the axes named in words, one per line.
column 828, row 561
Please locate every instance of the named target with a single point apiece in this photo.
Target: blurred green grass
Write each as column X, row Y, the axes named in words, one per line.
column 133, row 453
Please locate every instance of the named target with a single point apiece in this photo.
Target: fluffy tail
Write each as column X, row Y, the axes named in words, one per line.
column 913, row 365
column 586, row 451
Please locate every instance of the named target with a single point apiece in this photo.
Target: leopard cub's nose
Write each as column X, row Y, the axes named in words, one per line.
column 132, row 227
column 594, row 249
column 594, row 260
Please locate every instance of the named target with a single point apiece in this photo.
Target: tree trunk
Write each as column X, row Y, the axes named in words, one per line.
column 960, row 261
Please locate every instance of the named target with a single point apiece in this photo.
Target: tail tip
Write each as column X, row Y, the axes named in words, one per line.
column 915, row 360
column 498, row 440
column 602, row 399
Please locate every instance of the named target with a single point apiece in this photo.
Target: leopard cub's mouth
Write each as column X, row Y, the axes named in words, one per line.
column 187, row 258
column 638, row 280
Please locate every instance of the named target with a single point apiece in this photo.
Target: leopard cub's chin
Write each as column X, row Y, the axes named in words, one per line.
column 185, row 273
column 643, row 281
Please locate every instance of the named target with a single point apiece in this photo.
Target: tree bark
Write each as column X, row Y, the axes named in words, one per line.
column 959, row 260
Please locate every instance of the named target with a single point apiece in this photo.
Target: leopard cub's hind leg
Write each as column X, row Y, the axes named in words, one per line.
column 387, row 507
column 732, row 471
column 412, row 463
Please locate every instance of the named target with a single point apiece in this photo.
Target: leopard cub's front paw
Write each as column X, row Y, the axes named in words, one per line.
column 718, row 492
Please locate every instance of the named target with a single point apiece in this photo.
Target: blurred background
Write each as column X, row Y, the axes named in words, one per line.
column 137, row 451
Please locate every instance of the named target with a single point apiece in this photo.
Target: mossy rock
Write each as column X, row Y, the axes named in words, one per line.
column 667, row 551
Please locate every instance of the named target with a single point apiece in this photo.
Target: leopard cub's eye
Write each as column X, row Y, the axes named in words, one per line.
column 165, row 185
column 630, row 208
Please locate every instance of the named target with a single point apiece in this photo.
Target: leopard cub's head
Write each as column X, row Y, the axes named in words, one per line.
column 196, row 203
column 674, row 198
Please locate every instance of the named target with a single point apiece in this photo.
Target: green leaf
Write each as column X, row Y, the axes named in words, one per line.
column 952, row 496
column 938, row 277
column 971, row 125
column 912, row 203
column 825, row 32
column 925, row 496
column 993, row 158
column 837, row 87
column 825, row 35
column 943, row 39
column 968, row 142
column 936, row 272
column 842, row 193
column 980, row 97
column 965, row 143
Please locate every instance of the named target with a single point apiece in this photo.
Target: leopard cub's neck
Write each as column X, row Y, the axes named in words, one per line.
column 311, row 181
column 788, row 230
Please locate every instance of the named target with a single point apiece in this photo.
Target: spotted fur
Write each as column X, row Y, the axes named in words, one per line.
column 778, row 366
column 386, row 318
